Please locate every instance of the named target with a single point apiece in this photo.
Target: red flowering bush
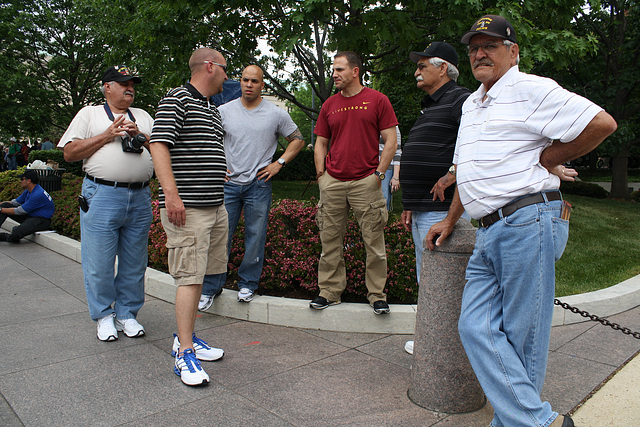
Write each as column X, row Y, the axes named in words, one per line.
column 292, row 248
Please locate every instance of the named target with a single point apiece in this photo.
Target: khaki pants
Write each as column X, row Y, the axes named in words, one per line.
column 364, row 196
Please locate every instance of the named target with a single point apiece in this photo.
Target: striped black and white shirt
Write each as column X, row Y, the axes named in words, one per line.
column 501, row 138
column 428, row 152
column 192, row 129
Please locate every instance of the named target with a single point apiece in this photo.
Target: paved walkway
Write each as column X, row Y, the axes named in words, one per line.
column 54, row 372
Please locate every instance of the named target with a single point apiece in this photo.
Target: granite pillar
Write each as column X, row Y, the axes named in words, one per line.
column 441, row 377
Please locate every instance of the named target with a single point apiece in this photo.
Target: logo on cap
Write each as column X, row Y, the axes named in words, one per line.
column 483, row 24
column 124, row 70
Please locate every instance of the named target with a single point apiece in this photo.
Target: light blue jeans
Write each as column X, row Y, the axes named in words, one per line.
column 507, row 306
column 255, row 200
column 386, row 187
column 117, row 223
column 421, row 222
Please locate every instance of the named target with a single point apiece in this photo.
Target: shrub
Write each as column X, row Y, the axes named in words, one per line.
column 581, row 188
column 293, row 249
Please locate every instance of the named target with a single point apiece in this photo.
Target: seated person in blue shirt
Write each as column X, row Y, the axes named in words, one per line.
column 33, row 209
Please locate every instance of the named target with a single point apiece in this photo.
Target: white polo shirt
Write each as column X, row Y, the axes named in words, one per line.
column 500, row 140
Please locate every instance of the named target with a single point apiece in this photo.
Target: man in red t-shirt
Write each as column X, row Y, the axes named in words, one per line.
column 353, row 121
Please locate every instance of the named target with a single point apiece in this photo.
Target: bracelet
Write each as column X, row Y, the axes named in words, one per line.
column 395, row 178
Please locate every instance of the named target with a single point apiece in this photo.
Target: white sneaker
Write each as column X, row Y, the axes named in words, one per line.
column 202, row 349
column 206, row 301
column 245, row 295
column 130, row 327
column 408, row 347
column 188, row 368
column 106, row 329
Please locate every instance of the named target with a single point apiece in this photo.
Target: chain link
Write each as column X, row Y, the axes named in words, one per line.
column 595, row 318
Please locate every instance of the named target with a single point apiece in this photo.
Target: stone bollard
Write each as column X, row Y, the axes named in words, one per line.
column 441, row 376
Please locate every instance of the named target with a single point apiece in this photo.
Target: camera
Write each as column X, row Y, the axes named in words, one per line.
column 133, row 144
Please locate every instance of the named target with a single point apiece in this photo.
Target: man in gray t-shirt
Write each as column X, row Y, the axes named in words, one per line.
column 252, row 126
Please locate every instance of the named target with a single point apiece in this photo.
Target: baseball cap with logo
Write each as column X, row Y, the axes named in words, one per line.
column 491, row 25
column 120, row 73
column 440, row 50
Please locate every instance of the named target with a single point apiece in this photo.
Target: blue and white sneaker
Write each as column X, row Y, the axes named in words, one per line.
column 202, row 349
column 188, row 368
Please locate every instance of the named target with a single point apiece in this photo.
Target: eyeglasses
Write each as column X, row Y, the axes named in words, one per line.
column 422, row 66
column 224, row 67
column 488, row 48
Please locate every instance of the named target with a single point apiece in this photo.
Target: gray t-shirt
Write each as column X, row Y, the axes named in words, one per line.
column 251, row 137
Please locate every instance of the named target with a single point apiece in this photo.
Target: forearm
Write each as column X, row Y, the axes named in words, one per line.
column 390, row 145
column 8, row 211
column 320, row 154
column 162, row 165
column 80, row 149
column 596, row 131
column 292, row 150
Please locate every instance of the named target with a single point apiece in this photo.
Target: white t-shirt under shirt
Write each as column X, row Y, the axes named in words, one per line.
column 110, row 162
column 500, row 140
column 251, row 137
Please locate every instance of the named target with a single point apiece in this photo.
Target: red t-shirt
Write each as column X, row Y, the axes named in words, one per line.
column 353, row 125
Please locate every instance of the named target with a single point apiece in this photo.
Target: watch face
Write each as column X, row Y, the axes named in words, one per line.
column 281, row 161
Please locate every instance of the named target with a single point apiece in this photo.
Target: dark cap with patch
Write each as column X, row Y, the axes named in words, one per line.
column 491, row 25
column 120, row 73
column 440, row 50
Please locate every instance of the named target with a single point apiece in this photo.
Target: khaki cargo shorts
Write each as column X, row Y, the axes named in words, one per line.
column 200, row 247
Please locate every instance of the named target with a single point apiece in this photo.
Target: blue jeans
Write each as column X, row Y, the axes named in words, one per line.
column 255, row 199
column 421, row 222
column 117, row 223
column 386, row 187
column 13, row 163
column 507, row 306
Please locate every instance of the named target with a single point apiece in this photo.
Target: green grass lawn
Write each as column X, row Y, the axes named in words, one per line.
column 603, row 247
column 604, row 238
column 604, row 175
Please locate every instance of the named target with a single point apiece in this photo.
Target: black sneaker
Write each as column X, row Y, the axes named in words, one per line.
column 380, row 307
column 321, row 302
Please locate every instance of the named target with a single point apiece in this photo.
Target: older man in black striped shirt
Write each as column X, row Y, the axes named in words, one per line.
column 188, row 154
column 428, row 152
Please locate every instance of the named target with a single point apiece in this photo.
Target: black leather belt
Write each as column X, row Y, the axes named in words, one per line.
column 520, row 203
column 130, row 185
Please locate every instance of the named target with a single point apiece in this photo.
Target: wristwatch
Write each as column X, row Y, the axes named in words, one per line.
column 380, row 175
column 452, row 170
column 281, row 161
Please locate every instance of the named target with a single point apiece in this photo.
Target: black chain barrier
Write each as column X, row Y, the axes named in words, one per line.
column 595, row 318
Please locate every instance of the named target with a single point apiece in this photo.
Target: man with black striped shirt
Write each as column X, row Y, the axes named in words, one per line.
column 426, row 175
column 188, row 154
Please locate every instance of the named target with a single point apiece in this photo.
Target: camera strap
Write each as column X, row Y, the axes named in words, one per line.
column 110, row 114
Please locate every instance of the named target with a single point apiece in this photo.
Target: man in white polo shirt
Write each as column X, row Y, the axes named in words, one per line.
column 115, row 215
column 516, row 131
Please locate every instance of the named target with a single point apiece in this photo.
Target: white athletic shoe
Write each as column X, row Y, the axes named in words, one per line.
column 106, row 328
column 202, row 349
column 408, row 347
column 130, row 327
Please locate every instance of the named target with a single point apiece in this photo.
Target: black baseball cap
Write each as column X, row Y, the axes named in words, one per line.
column 491, row 25
column 440, row 50
column 120, row 73
column 30, row 174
